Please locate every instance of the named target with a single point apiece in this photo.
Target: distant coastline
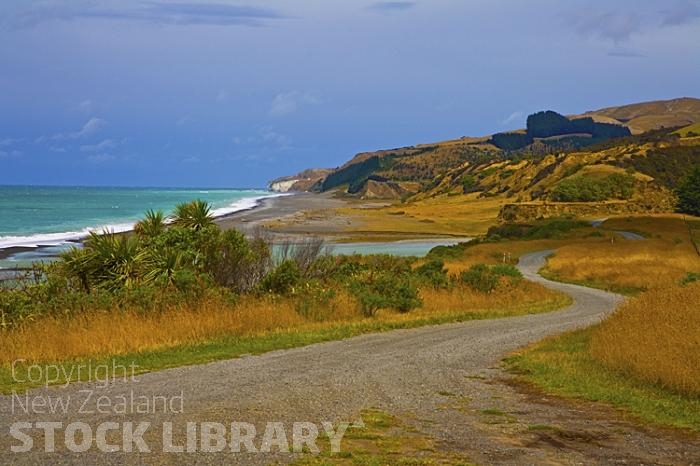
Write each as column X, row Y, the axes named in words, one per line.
column 43, row 245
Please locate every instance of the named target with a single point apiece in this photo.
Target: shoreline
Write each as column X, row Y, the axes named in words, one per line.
column 286, row 217
column 7, row 252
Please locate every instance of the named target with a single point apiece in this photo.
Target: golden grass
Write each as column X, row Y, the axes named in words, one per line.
column 462, row 215
column 100, row 334
column 655, row 336
column 660, row 261
column 507, row 299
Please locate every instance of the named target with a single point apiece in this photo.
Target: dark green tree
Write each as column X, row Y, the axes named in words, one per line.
column 688, row 193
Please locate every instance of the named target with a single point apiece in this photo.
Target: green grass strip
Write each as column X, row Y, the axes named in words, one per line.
column 563, row 366
column 233, row 346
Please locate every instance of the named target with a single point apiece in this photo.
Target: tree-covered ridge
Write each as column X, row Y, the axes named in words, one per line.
column 549, row 124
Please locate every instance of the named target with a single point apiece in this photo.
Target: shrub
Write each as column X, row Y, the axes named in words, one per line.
column 283, row 279
column 385, row 290
column 450, row 252
column 545, row 229
column 587, row 189
column 434, row 274
column 479, row 278
column 688, row 193
column 468, row 183
column 506, row 270
column 315, row 300
column 691, row 277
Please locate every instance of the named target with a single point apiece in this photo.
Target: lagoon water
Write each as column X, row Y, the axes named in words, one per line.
column 417, row 248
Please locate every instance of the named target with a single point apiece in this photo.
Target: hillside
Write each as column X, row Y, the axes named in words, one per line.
column 646, row 116
column 557, row 161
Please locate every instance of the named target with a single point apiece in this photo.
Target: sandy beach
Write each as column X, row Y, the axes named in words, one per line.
column 287, row 209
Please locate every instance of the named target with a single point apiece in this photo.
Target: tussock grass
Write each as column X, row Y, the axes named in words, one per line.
column 629, row 266
column 656, row 337
column 645, row 358
column 463, row 215
column 216, row 329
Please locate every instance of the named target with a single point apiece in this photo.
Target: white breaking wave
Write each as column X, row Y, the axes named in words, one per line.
column 57, row 239
column 242, row 204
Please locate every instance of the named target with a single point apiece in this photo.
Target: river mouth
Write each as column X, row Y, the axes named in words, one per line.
column 405, row 248
column 19, row 258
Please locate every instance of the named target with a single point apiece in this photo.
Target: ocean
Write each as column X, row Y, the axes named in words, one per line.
column 32, row 216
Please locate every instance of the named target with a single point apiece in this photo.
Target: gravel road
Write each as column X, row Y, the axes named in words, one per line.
column 440, row 379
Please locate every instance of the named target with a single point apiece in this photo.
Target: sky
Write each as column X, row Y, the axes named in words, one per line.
column 236, row 93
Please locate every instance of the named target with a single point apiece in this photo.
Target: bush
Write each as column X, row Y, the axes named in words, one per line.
column 315, row 301
column 450, row 252
column 587, row 189
column 283, row 279
column 688, row 193
column 545, row 229
column 506, row 270
column 468, row 183
column 691, row 277
column 434, row 274
column 479, row 278
column 385, row 291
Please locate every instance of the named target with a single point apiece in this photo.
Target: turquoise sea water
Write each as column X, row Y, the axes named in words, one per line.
column 33, row 216
column 54, row 217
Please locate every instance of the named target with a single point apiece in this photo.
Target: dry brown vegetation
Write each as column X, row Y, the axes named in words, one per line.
column 440, row 215
column 99, row 334
column 655, row 336
column 662, row 260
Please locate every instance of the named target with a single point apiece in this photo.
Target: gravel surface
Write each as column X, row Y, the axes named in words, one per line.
column 439, row 379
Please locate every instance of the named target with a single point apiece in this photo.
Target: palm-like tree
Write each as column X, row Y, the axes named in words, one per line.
column 152, row 225
column 117, row 259
column 78, row 264
column 195, row 215
column 161, row 265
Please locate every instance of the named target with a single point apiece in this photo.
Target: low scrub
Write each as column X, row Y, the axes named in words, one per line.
column 590, row 189
column 485, row 279
column 553, row 228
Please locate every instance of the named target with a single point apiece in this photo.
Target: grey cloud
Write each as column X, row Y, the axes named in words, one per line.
column 289, row 102
column 608, row 25
column 619, row 25
column 680, row 13
column 176, row 13
column 392, row 6
column 625, row 53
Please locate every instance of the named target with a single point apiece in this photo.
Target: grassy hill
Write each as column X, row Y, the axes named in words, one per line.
column 647, row 116
column 558, row 161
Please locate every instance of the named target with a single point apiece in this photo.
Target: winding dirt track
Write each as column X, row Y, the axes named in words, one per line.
column 439, row 379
